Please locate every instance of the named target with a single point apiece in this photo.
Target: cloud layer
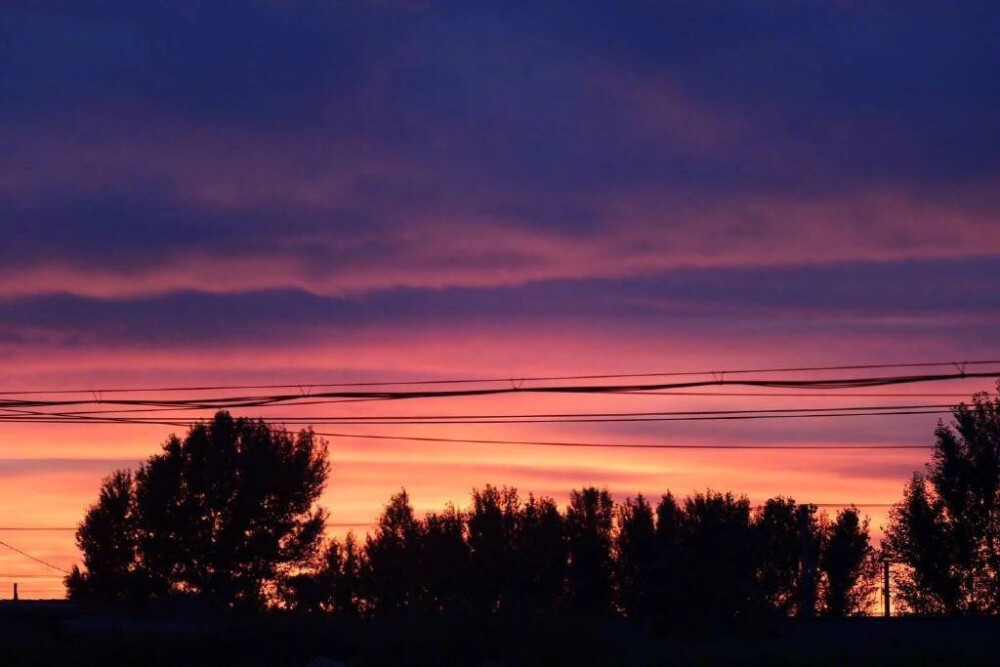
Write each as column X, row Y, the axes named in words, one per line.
column 315, row 191
column 349, row 149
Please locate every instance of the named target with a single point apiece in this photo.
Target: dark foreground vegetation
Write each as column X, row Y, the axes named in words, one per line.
column 225, row 520
column 573, row 640
column 227, row 515
column 709, row 559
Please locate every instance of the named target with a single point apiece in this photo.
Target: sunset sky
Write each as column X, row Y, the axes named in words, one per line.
column 317, row 192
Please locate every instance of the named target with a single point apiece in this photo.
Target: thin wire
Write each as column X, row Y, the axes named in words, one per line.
column 369, row 524
column 606, row 445
column 15, row 414
column 567, row 415
column 785, row 394
column 550, row 378
column 37, row 560
column 716, row 417
column 258, row 401
column 27, row 590
column 866, row 505
column 617, row 420
column 823, row 395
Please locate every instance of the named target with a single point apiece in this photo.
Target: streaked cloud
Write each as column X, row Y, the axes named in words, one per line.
column 261, row 192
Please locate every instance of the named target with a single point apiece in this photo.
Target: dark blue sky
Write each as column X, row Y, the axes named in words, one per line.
column 362, row 146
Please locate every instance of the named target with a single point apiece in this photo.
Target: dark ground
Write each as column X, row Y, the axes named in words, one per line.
column 58, row 634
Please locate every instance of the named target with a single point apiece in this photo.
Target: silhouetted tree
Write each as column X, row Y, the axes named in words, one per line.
column 493, row 522
column 945, row 530
column 635, row 551
column 540, row 546
column 589, row 522
column 667, row 587
column 717, row 567
column 778, row 532
column 393, row 559
column 445, row 560
column 335, row 586
column 918, row 536
column 108, row 539
column 345, row 561
column 228, row 513
column 847, row 563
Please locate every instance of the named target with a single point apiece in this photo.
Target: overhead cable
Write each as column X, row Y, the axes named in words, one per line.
column 34, row 558
column 232, row 402
column 302, row 386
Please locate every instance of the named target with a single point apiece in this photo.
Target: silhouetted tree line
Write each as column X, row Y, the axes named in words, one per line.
column 229, row 513
column 711, row 558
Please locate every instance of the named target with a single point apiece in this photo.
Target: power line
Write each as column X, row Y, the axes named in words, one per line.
column 785, row 394
column 42, row 419
column 34, row 558
column 607, row 445
column 530, row 415
column 550, row 378
column 35, row 528
column 822, row 395
column 569, row 415
column 275, row 399
column 370, row 524
column 613, row 420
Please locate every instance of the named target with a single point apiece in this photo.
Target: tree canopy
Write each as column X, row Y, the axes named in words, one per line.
column 229, row 512
column 709, row 559
column 848, row 563
column 945, row 530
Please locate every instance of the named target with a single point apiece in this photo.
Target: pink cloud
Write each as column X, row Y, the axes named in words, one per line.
column 458, row 238
column 644, row 238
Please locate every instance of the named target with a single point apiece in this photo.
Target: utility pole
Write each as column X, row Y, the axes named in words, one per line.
column 885, row 586
column 807, row 563
column 15, row 591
